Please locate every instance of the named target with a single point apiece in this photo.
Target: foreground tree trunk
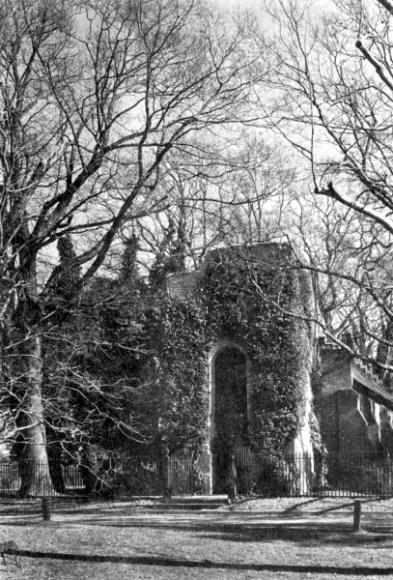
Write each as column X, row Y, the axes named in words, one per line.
column 31, row 444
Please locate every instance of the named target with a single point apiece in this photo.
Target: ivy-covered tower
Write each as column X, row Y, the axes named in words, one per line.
column 238, row 348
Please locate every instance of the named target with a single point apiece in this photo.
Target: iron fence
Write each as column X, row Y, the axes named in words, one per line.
column 14, row 477
column 181, row 473
column 305, row 475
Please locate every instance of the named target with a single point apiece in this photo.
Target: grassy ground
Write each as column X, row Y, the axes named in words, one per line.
column 269, row 539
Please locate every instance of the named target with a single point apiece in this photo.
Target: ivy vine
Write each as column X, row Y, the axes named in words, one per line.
column 245, row 302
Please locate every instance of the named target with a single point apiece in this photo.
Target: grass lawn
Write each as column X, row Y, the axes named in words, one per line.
column 269, row 539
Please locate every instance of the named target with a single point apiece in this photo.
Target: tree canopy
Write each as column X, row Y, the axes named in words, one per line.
column 94, row 96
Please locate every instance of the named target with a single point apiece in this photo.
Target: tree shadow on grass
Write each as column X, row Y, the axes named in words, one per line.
column 348, row 505
column 295, row 508
column 305, row 534
column 301, row 508
column 208, row 564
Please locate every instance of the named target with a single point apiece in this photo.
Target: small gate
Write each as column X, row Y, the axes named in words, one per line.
column 180, row 472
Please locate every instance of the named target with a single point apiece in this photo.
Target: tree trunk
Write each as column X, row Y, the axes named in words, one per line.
column 88, row 469
column 31, row 448
column 56, row 473
column 163, row 470
column 54, row 451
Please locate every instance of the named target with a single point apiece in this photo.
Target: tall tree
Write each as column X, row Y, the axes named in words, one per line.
column 94, row 95
column 333, row 91
column 237, row 193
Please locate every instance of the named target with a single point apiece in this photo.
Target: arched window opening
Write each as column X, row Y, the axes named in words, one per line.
column 230, row 413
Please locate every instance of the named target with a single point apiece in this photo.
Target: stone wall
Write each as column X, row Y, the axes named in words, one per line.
column 353, row 420
column 279, row 362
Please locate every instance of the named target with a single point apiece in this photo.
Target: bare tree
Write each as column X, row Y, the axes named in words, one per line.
column 93, row 97
column 332, row 91
column 233, row 195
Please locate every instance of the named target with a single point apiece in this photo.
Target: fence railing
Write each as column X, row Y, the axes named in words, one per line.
column 327, row 475
column 181, row 473
column 304, row 475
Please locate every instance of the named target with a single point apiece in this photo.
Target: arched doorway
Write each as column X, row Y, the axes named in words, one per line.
column 230, row 412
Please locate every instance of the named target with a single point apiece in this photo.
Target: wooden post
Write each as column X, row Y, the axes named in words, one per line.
column 357, row 514
column 45, row 509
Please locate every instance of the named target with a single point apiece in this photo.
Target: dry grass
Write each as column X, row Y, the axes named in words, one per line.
column 269, row 539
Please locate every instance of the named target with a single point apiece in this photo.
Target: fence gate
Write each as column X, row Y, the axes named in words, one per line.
column 180, row 472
